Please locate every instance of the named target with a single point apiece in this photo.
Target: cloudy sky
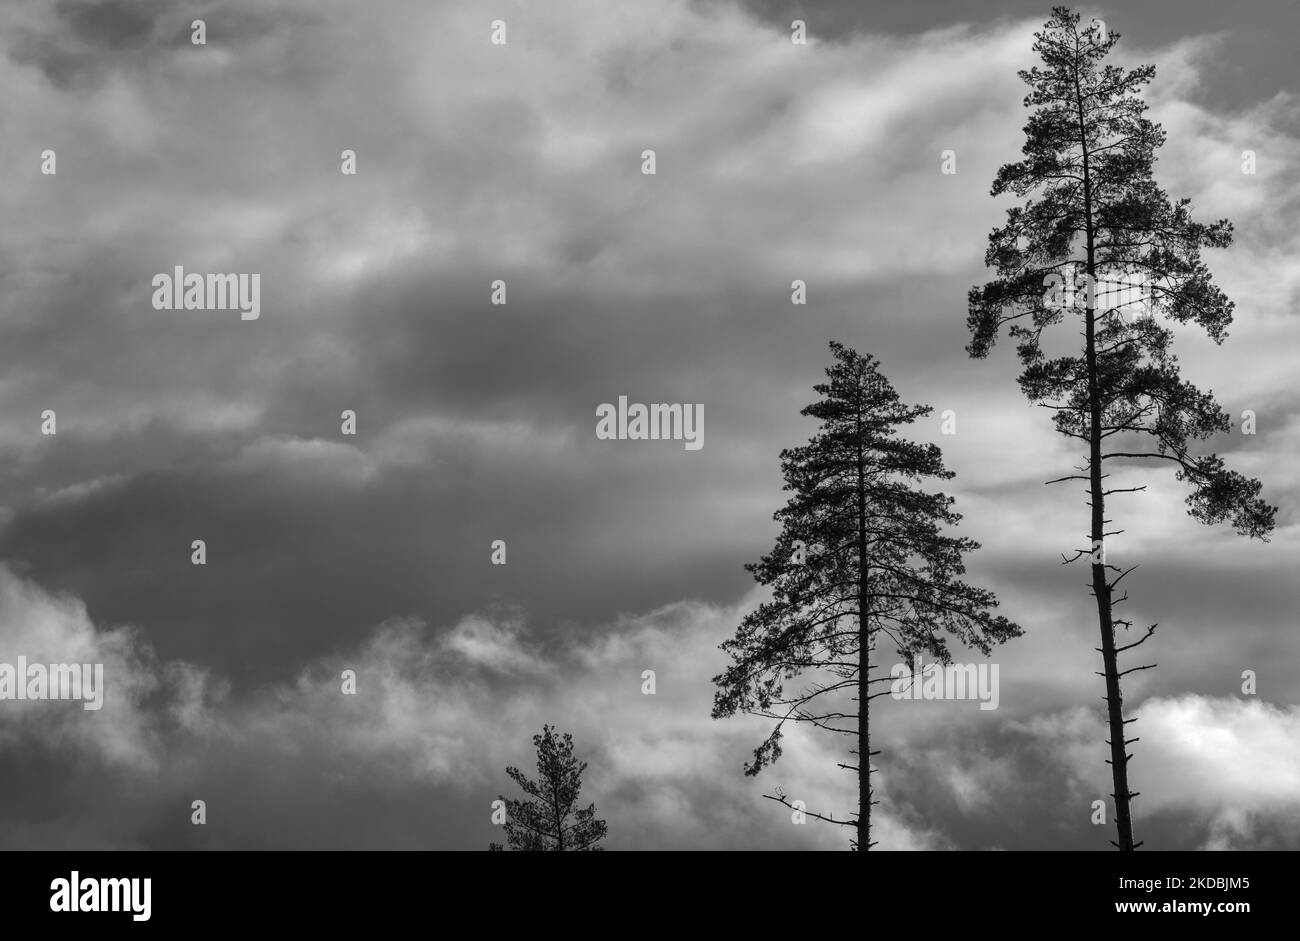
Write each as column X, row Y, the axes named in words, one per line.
column 475, row 422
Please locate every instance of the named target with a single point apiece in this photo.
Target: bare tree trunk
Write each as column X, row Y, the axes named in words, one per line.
column 1101, row 591
column 864, row 662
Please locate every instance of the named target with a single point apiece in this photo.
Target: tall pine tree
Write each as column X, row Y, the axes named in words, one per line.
column 861, row 553
column 550, row 819
column 1094, row 241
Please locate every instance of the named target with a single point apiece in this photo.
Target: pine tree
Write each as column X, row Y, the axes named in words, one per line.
column 551, row 819
column 1101, row 242
column 861, row 553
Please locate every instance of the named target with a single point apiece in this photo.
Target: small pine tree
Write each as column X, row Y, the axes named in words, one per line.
column 551, row 820
column 861, row 553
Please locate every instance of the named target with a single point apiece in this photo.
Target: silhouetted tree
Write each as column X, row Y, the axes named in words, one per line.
column 1099, row 240
column 860, row 553
column 551, row 819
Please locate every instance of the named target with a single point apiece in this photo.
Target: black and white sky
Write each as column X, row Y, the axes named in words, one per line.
column 522, row 162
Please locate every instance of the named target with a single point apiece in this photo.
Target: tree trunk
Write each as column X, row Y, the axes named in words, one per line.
column 864, row 661
column 1101, row 591
column 1100, row 585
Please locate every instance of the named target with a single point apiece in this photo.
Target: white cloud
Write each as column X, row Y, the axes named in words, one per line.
column 451, row 709
column 144, row 701
column 1232, row 764
column 301, row 458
